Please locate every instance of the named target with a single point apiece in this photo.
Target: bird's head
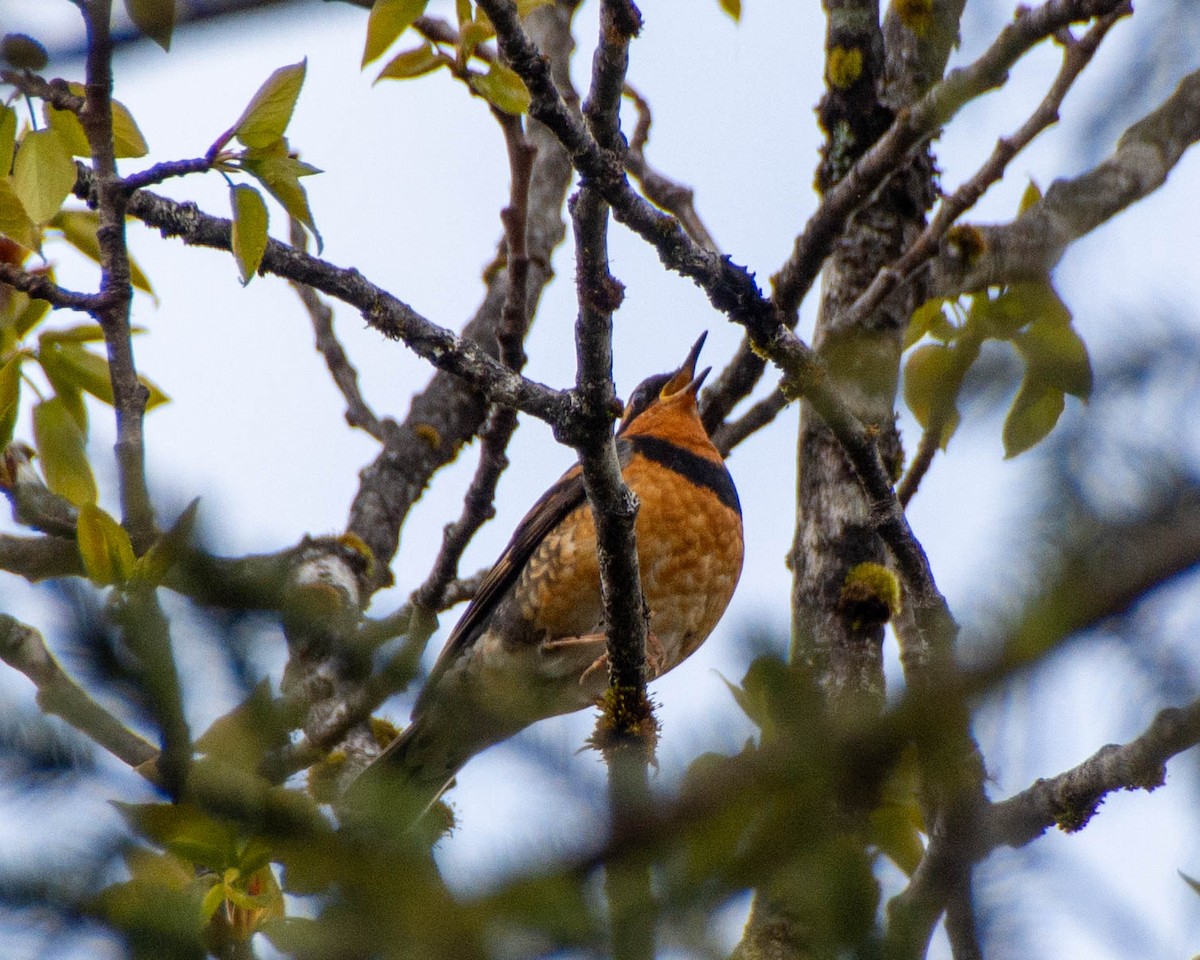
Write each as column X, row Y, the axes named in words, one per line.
column 666, row 395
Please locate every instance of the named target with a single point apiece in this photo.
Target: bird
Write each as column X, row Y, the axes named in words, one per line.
column 531, row 643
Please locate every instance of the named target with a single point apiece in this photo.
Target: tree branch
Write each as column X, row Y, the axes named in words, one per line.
column 358, row 412
column 1077, row 54
column 1030, row 246
column 23, row 649
column 41, row 287
column 914, row 126
column 502, row 421
column 129, row 394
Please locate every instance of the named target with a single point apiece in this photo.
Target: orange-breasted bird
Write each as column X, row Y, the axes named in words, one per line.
column 531, row 643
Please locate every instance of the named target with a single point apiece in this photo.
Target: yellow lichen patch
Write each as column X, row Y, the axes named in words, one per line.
column 383, row 731
column 843, row 66
column 870, row 594
column 429, row 435
column 917, row 15
column 967, row 242
column 323, row 777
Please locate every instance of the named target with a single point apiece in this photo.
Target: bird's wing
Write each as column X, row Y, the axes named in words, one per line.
column 543, row 516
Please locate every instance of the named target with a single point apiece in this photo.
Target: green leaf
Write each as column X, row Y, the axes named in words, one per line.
column 67, row 126
column 462, row 9
column 29, row 315
column 1032, row 194
column 128, row 141
column 77, row 366
column 502, row 88
column 8, row 134
column 22, row 52
column 81, row 333
column 43, row 174
column 1016, row 307
column 389, row 19
column 104, row 546
column 185, row 831
column 931, row 381
column 14, row 221
column 154, row 565
column 280, row 175
column 78, row 228
column 127, row 137
column 733, row 8
column 411, row 63
column 1056, row 354
column 155, row 18
column 1032, row 416
column 10, row 397
column 60, row 444
column 927, row 318
column 266, row 117
column 250, row 220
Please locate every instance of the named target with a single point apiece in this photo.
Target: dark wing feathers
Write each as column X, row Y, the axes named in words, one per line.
column 543, row 516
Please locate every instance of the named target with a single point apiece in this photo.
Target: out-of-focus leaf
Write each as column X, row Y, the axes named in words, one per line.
column 29, row 316
column 43, row 174
column 1058, row 356
column 8, row 135
column 10, row 397
column 80, row 367
column 502, row 88
column 928, row 318
column 83, row 333
column 185, row 831
column 60, row 444
column 733, row 8
column 470, row 36
column 389, row 19
column 104, row 546
column 14, row 221
column 1032, row 416
column 411, row 63
column 266, row 117
column 62, row 379
column 21, row 52
column 931, row 383
column 896, row 823
column 155, row 18
column 244, row 735
column 462, row 9
column 78, row 228
column 280, row 175
column 250, row 220
column 154, row 565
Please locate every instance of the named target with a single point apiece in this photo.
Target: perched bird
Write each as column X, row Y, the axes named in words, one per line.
column 531, row 643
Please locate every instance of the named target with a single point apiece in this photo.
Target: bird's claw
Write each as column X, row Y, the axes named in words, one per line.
column 656, row 660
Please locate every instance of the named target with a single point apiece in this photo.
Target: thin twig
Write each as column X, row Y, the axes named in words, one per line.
column 41, row 287
column 478, row 502
column 733, row 432
column 674, row 197
column 913, row 127
column 24, row 649
column 358, row 412
column 1077, row 54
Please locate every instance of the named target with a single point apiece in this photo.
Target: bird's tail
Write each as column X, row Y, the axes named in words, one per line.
column 404, row 781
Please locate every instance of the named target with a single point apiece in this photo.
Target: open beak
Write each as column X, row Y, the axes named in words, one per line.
column 686, row 377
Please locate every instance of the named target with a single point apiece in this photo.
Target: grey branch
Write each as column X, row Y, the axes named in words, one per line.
column 1030, row 246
